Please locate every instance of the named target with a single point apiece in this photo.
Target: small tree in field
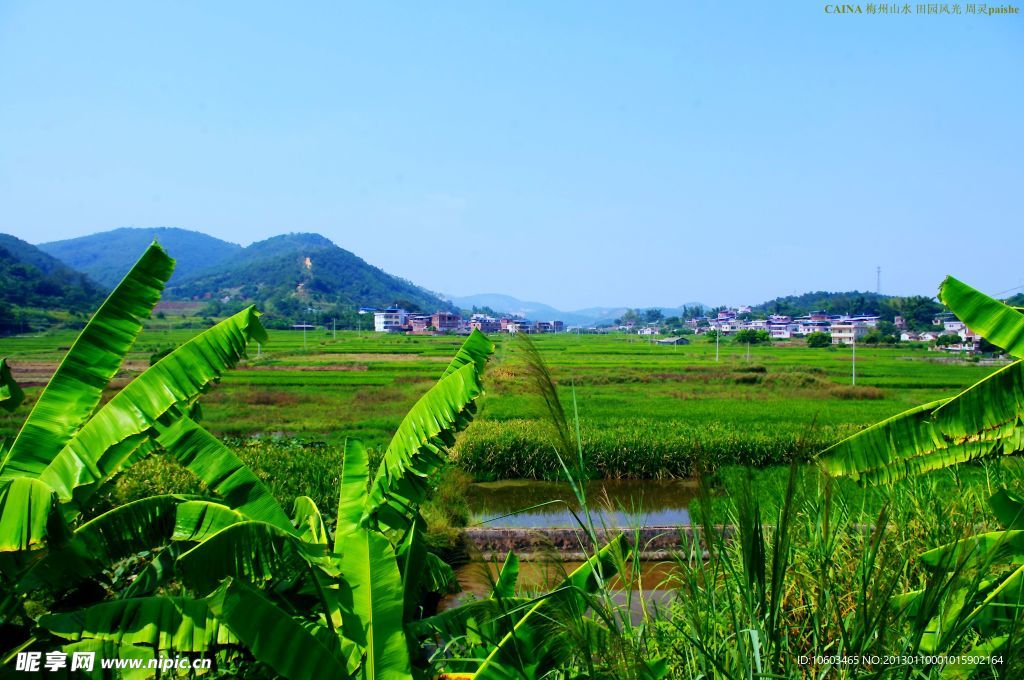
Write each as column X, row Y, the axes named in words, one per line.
column 753, row 337
column 819, row 340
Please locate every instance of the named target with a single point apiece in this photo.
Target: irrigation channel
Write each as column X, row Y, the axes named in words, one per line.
column 540, row 521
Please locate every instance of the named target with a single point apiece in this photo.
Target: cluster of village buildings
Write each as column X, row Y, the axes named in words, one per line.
column 845, row 329
column 395, row 320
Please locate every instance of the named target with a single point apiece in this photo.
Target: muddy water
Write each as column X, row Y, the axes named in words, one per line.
column 613, row 503
column 653, row 588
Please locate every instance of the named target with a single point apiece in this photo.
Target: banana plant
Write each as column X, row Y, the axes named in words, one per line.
column 244, row 572
column 69, row 445
column 984, row 420
column 359, row 592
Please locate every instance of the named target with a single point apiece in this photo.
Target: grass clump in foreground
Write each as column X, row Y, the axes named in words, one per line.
column 816, row 576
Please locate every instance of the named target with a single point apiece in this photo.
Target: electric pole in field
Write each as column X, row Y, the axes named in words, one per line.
column 853, row 363
column 718, row 334
column 878, row 280
column 334, row 329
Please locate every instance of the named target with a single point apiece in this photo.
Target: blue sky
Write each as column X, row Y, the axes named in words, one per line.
column 573, row 153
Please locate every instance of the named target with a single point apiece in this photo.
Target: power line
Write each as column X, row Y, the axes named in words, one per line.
column 1010, row 290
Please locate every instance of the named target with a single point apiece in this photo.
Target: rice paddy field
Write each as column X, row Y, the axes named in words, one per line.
column 645, row 410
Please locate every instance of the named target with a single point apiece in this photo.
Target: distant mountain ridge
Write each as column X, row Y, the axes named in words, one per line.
column 31, row 278
column 284, row 274
column 107, row 256
column 538, row 311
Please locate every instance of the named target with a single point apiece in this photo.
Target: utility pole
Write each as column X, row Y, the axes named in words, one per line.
column 304, row 336
column 334, row 329
column 718, row 334
column 878, row 280
column 853, row 363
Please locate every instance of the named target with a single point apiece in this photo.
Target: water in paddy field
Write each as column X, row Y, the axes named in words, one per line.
column 613, row 503
column 652, row 587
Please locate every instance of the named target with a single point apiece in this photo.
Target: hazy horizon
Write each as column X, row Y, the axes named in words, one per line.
column 577, row 155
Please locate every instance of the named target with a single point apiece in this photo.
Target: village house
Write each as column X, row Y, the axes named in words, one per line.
column 484, row 323
column 848, row 333
column 519, row 326
column 389, row 320
column 446, row 322
column 420, row 324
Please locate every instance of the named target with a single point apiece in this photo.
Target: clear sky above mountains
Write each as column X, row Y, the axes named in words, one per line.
column 574, row 153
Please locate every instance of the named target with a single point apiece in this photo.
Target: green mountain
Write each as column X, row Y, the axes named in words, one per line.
column 107, row 256
column 32, row 280
column 288, row 274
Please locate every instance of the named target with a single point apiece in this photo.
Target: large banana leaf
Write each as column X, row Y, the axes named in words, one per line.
column 505, row 586
column 1000, row 324
column 453, row 623
column 372, row 573
column 423, row 572
column 104, row 444
column 197, row 520
column 254, row 551
column 11, row 395
column 26, row 514
column 991, row 409
column 985, row 419
column 308, row 522
column 272, row 636
column 96, row 545
column 1008, row 508
column 156, row 573
column 352, row 490
column 415, row 452
column 165, row 624
column 532, row 648
column 994, row 547
column 221, row 470
column 476, row 350
column 77, row 386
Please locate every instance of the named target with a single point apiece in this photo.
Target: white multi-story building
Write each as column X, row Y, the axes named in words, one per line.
column 783, row 331
column 389, row 320
column 848, row 333
column 519, row 326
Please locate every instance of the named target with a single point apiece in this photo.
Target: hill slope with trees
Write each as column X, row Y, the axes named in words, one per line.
column 33, row 283
column 108, row 255
column 285, row 275
column 917, row 310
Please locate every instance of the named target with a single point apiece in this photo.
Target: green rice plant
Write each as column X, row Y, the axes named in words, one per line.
column 630, row 448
